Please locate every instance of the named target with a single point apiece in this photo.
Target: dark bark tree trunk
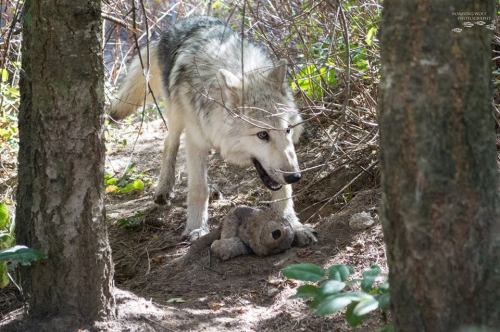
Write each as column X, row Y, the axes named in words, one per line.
column 61, row 163
column 438, row 159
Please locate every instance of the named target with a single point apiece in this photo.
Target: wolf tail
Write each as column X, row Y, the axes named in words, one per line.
column 134, row 86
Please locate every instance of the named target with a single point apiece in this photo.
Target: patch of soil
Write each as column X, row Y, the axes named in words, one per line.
column 247, row 293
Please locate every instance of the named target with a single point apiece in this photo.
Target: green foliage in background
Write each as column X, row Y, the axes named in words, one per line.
column 314, row 80
column 330, row 290
column 6, row 240
column 9, row 102
column 323, row 55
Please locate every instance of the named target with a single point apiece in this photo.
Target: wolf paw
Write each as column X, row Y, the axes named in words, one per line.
column 161, row 198
column 195, row 234
column 304, row 235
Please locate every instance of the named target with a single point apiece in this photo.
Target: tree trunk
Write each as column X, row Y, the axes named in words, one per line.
column 439, row 171
column 61, row 163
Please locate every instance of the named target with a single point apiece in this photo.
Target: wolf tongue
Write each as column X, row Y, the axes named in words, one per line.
column 266, row 179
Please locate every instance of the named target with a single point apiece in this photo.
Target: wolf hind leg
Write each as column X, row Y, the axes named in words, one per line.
column 304, row 234
column 170, row 149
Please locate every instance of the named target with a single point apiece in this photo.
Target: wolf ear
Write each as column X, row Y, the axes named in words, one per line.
column 295, row 119
column 230, row 86
column 278, row 74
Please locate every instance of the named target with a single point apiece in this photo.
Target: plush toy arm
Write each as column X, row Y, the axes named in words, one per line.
column 229, row 248
column 199, row 245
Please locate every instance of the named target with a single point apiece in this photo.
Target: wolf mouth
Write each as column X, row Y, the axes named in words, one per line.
column 266, row 178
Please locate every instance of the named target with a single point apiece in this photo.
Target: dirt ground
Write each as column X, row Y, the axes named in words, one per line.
column 246, row 293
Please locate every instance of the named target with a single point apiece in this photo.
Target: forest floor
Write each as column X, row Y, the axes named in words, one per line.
column 246, row 293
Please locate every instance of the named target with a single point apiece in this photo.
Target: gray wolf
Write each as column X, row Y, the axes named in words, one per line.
column 224, row 93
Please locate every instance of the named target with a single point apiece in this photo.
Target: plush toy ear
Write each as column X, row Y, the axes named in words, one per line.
column 230, row 86
column 278, row 74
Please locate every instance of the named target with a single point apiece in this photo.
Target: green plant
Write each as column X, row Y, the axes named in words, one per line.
column 314, row 80
column 331, row 290
column 9, row 102
column 6, row 240
column 21, row 255
column 131, row 181
column 12, row 254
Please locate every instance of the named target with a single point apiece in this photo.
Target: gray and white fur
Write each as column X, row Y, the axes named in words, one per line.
column 227, row 94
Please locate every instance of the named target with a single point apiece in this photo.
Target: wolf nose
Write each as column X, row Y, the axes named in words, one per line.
column 292, row 178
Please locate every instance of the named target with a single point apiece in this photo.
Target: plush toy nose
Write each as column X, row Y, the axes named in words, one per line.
column 292, row 178
column 276, row 234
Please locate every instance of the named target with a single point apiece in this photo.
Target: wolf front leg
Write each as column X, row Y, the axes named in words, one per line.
column 197, row 201
column 304, row 234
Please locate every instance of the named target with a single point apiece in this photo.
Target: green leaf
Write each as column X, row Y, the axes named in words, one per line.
column 332, row 304
column 21, row 254
column 4, row 216
column 4, row 278
column 332, row 287
column 136, row 185
column 369, row 278
column 111, row 181
column 339, row 272
column 353, row 319
column 217, row 5
column 331, row 78
column 304, row 272
column 370, row 35
column 5, row 75
column 366, row 306
column 384, row 301
column 6, row 239
column 13, row 91
column 306, row 292
column 384, row 287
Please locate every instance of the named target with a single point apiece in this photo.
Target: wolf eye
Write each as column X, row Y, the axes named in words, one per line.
column 263, row 135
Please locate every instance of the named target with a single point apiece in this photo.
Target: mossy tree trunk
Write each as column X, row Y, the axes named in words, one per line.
column 61, row 163
column 439, row 171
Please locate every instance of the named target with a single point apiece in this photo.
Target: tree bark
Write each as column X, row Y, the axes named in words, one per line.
column 438, row 161
column 61, row 163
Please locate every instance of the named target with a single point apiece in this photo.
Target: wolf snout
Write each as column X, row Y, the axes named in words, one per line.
column 292, row 178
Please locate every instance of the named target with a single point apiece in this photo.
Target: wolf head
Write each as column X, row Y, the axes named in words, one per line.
column 264, row 123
